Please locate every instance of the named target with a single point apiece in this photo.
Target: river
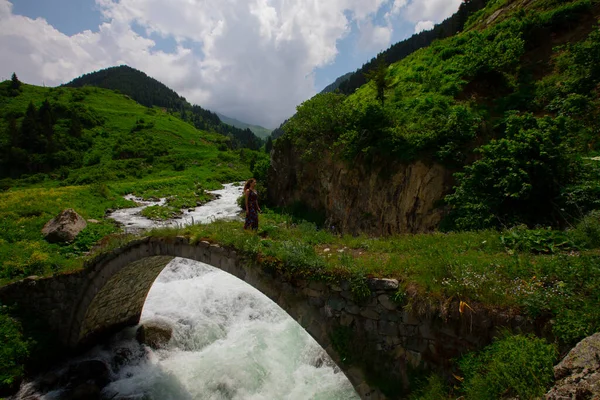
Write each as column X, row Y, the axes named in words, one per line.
column 229, row 340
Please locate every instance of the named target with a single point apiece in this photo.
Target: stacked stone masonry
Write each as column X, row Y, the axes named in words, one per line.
column 86, row 306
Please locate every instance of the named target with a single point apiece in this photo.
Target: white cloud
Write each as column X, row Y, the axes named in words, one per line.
column 250, row 59
column 374, row 37
column 397, row 6
column 431, row 10
column 424, row 26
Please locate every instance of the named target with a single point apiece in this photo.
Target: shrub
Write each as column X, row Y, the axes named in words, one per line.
column 434, row 389
column 13, row 352
column 544, row 241
column 511, row 366
column 587, row 232
column 518, row 179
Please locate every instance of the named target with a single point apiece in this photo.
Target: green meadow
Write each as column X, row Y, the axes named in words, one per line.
column 175, row 160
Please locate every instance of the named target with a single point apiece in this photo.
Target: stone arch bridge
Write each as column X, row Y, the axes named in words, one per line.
column 381, row 340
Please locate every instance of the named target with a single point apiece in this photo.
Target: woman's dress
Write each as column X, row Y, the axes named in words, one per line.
column 252, row 211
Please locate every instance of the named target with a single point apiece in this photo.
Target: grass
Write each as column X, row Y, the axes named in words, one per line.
column 476, row 267
column 161, row 213
column 194, row 163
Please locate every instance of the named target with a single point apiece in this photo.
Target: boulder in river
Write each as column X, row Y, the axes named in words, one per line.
column 64, row 227
column 578, row 374
column 155, row 333
column 89, row 371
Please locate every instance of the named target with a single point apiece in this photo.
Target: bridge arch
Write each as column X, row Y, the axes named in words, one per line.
column 115, row 288
column 108, row 294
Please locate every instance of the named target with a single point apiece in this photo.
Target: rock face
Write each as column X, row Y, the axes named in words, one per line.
column 155, row 333
column 578, row 374
column 379, row 198
column 64, row 227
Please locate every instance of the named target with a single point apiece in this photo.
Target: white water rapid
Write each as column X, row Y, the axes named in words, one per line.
column 229, row 342
column 223, row 207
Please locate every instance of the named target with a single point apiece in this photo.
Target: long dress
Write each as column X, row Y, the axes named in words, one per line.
column 252, row 212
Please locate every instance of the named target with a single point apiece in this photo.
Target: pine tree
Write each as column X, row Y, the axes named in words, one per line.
column 30, row 131
column 269, row 145
column 379, row 76
column 15, row 83
column 47, row 120
column 13, row 132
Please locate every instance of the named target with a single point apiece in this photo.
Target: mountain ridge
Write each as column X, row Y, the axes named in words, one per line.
column 258, row 130
column 150, row 92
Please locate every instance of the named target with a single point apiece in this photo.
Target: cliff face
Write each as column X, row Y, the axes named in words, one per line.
column 382, row 199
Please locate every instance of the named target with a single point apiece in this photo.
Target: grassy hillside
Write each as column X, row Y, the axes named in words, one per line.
column 512, row 103
column 332, row 87
column 123, row 148
column 259, row 131
column 348, row 83
column 152, row 93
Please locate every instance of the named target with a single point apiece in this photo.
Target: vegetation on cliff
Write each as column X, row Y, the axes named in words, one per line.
column 514, row 114
column 14, row 350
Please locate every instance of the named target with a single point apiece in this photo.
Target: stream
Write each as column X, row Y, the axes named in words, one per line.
column 223, row 207
column 229, row 340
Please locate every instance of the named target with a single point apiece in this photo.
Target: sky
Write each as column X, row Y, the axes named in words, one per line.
column 254, row 60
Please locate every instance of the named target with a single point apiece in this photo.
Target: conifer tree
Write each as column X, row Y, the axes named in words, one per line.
column 47, row 120
column 269, row 145
column 30, row 131
column 13, row 132
column 15, row 83
column 379, row 76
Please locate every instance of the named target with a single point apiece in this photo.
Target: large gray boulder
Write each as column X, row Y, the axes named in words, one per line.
column 155, row 333
column 578, row 374
column 64, row 227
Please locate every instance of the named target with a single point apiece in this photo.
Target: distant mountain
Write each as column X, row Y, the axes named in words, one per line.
column 150, row 92
column 278, row 132
column 337, row 83
column 258, row 130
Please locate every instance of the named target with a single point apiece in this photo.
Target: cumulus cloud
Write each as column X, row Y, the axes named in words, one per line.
column 374, row 37
column 431, row 10
column 424, row 26
column 250, row 59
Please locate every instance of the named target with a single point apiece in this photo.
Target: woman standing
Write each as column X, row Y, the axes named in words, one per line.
column 252, row 208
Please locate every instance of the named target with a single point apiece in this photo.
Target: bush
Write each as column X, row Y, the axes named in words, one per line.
column 513, row 366
column 539, row 241
column 434, row 389
column 13, row 352
column 587, row 232
column 518, row 179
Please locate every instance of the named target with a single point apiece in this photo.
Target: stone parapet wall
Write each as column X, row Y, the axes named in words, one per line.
column 372, row 340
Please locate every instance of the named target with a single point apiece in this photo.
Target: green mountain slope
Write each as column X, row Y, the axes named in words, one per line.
column 84, row 149
column 520, row 85
column 150, row 92
column 258, row 130
column 336, row 84
column 449, row 27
